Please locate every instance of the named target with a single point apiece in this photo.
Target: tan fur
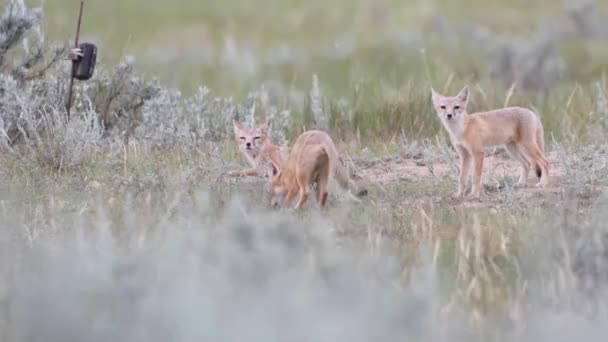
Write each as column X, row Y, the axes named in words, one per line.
column 312, row 156
column 518, row 129
column 255, row 144
column 311, row 167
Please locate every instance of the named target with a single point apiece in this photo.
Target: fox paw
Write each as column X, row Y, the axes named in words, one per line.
column 475, row 196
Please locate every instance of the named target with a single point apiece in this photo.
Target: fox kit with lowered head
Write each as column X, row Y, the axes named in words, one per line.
column 311, row 167
column 518, row 129
column 258, row 149
column 312, row 159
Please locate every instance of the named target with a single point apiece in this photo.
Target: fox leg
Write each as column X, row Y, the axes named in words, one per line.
column 540, row 138
column 291, row 194
column 544, row 166
column 525, row 164
column 322, row 180
column 322, row 195
column 533, row 153
column 304, row 191
column 323, row 198
column 465, row 165
column 478, row 160
column 322, row 191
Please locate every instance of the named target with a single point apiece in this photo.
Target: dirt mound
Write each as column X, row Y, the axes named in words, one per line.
column 416, row 166
column 432, row 179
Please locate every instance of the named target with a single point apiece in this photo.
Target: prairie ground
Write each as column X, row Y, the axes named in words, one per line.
column 121, row 224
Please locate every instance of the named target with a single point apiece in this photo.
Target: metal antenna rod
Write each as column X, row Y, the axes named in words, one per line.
column 69, row 104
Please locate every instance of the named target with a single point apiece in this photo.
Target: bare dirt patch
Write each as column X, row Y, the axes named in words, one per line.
column 419, row 180
column 432, row 180
column 416, row 166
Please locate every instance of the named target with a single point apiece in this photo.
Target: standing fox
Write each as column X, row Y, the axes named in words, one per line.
column 258, row 149
column 518, row 129
column 312, row 159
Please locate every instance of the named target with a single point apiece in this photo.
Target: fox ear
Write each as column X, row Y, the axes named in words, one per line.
column 463, row 96
column 275, row 169
column 435, row 95
column 266, row 127
column 237, row 126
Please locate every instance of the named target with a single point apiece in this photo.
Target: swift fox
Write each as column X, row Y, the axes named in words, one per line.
column 518, row 129
column 311, row 167
column 258, row 149
column 312, row 159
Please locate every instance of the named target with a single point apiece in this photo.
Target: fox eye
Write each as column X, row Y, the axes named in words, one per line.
column 242, row 138
column 256, row 138
column 442, row 107
column 456, row 107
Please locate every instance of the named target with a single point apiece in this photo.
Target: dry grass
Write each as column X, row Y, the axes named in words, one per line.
column 120, row 224
column 183, row 233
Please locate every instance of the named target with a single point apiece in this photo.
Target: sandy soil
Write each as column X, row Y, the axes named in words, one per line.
column 500, row 172
column 413, row 167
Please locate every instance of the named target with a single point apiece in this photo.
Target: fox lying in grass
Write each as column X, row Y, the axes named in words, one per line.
column 258, row 149
column 518, row 129
column 312, row 159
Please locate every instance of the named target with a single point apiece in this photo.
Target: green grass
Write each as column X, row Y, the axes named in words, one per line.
column 386, row 87
column 135, row 26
